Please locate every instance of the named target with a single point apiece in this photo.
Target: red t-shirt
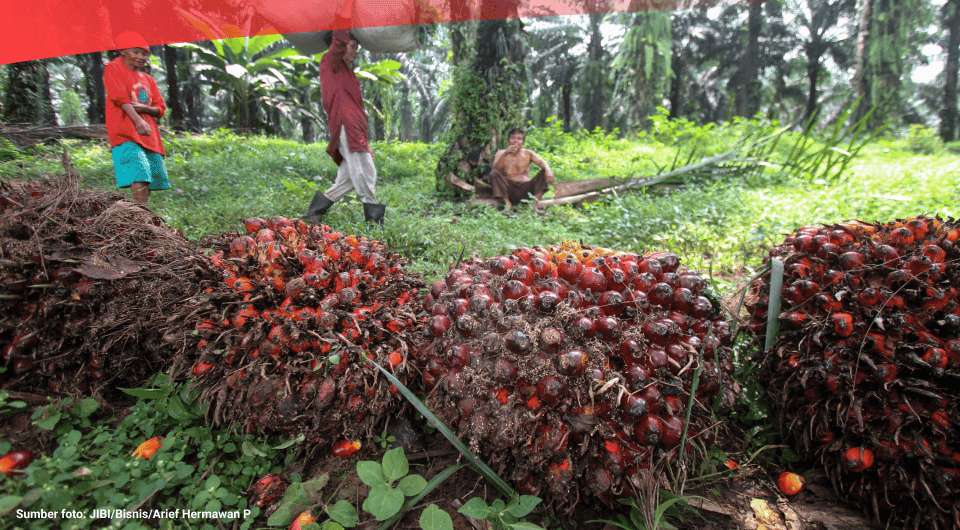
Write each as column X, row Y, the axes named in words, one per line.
column 342, row 98
column 124, row 85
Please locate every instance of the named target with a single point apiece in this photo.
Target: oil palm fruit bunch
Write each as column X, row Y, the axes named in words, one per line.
column 284, row 342
column 570, row 367
column 87, row 281
column 865, row 368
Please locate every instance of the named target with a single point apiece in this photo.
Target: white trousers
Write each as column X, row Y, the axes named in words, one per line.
column 356, row 172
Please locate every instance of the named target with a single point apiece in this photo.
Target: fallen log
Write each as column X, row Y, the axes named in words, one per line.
column 25, row 135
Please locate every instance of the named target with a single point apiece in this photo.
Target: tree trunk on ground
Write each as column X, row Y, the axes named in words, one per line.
column 485, row 98
column 92, row 66
column 27, row 98
column 748, row 96
column 951, row 22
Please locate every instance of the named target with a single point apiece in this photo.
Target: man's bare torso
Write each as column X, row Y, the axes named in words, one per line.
column 514, row 166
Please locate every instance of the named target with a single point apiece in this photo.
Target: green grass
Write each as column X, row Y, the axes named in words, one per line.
column 217, row 180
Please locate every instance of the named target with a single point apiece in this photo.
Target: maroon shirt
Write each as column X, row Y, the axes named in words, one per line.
column 342, row 99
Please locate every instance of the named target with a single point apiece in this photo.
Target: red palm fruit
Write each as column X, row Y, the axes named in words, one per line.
column 693, row 281
column 790, row 483
column 540, row 267
column 630, row 351
column 513, row 290
column 571, row 363
column 901, row 237
column 654, row 359
column 550, row 389
column 842, row 324
column 917, row 265
column 885, row 373
column 677, row 354
column 702, row 308
column 654, row 398
column 942, row 419
column 504, row 371
column 548, row 301
column 500, row 265
column 523, row 274
column 267, row 490
column 611, row 303
column 672, row 431
column 808, row 289
column 439, row 324
column 841, row 237
column 599, row 479
column 203, row 366
column 683, row 300
column 345, row 448
column 559, row 475
column 888, row 451
column 518, row 342
column 935, row 357
column 570, row 269
column 636, row 377
column 649, row 430
column 552, row 438
column 14, row 461
column 805, row 243
column 459, row 308
column 592, row 279
column 661, row 295
column 669, row 261
column 551, row 339
column 651, row 266
column 639, row 301
column 792, row 294
column 635, row 408
column 857, row 459
column 658, row 332
column 643, row 282
column 793, row 320
column 241, row 247
column 609, row 329
column 831, row 278
column 828, row 251
column 254, row 225
column 617, row 279
column 851, row 261
column 952, row 349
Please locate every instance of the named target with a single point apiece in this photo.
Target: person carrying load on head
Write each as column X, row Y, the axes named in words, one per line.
column 510, row 176
column 134, row 104
column 349, row 146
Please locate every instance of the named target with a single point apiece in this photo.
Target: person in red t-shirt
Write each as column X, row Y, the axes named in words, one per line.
column 349, row 147
column 134, row 104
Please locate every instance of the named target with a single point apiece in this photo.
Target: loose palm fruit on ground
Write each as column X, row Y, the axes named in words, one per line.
column 866, row 366
column 284, row 341
column 148, row 448
column 13, row 461
column 790, row 483
column 568, row 368
column 266, row 491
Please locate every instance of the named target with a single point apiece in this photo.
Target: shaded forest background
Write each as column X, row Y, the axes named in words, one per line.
column 796, row 61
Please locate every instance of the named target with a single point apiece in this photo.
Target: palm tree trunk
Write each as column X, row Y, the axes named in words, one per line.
column 951, row 22
column 92, row 66
column 28, row 98
column 170, row 62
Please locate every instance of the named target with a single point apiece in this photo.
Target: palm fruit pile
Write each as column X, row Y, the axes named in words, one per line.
column 570, row 367
column 283, row 342
column 865, row 368
column 87, row 282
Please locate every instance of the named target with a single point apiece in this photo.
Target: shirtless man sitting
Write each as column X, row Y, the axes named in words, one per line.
column 510, row 176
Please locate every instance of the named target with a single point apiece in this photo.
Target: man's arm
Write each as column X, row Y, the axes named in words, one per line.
column 497, row 159
column 543, row 164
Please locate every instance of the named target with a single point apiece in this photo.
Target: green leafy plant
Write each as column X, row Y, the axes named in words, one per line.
column 671, row 505
column 384, row 439
column 389, row 483
column 501, row 515
column 93, row 474
column 923, row 140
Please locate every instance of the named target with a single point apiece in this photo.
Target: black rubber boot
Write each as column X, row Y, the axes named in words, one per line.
column 318, row 206
column 374, row 212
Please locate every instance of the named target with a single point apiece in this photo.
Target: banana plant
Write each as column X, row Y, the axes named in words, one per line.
column 247, row 70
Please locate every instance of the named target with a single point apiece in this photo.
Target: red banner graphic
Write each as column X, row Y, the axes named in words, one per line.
column 52, row 28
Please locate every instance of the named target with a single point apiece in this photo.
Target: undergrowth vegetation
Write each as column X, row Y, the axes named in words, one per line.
column 720, row 224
